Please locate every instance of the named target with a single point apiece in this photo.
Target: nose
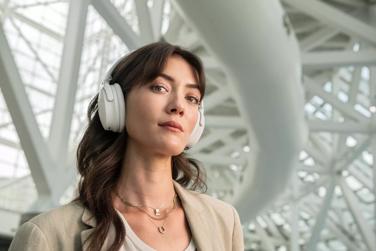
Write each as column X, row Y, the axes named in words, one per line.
column 175, row 106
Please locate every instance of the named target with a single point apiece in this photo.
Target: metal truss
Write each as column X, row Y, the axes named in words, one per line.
column 330, row 201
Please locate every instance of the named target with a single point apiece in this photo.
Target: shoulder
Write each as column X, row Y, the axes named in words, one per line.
column 224, row 216
column 211, row 207
column 69, row 214
column 218, row 205
column 204, row 203
column 60, row 225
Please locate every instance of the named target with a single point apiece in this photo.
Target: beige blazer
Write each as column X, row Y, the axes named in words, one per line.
column 215, row 226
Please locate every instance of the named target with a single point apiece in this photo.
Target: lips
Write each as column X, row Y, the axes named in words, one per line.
column 172, row 124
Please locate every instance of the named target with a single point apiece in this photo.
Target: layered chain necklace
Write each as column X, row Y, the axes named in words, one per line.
column 158, row 213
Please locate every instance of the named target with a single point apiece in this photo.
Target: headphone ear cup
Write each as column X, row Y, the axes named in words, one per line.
column 198, row 129
column 120, row 108
column 111, row 107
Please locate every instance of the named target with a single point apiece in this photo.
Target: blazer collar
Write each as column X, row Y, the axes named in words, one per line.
column 197, row 218
column 194, row 212
column 88, row 219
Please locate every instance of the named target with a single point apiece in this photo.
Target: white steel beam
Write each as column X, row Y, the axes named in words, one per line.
column 334, row 45
column 34, row 51
column 352, row 3
column 363, row 178
column 336, row 18
column 9, row 143
column 266, row 243
column 156, row 16
column 216, row 79
column 68, row 79
column 231, row 122
column 329, row 59
column 372, row 85
column 294, row 214
column 275, row 231
column 345, row 159
column 43, row 169
column 305, row 190
column 218, row 183
column 314, row 169
column 144, row 21
column 214, row 159
column 216, row 98
column 118, row 24
column 336, row 228
column 316, row 38
column 373, row 150
column 339, row 140
column 175, row 25
column 232, row 144
column 338, row 127
column 41, row 112
column 323, row 34
column 354, row 85
column 344, row 108
column 42, row 28
column 368, row 235
column 321, row 218
column 41, row 91
column 306, row 27
column 324, row 147
column 13, row 181
column 210, row 63
column 316, row 154
column 213, row 136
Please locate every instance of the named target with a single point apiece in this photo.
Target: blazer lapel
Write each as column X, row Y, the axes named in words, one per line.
column 195, row 214
column 84, row 236
column 88, row 219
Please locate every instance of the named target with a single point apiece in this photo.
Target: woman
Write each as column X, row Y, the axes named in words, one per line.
column 137, row 186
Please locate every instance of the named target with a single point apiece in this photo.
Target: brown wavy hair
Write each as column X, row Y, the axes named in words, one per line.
column 100, row 152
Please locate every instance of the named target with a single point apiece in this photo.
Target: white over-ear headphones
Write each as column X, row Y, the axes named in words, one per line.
column 111, row 109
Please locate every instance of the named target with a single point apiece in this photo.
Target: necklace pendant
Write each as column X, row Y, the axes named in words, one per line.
column 157, row 212
column 161, row 229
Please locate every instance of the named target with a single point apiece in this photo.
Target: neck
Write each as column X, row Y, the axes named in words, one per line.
column 146, row 179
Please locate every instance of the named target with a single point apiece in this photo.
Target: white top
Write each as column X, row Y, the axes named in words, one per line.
column 134, row 243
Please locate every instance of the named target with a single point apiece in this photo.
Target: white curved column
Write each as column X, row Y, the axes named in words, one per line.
column 255, row 44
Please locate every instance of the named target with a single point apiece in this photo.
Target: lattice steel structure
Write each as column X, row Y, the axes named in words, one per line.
column 53, row 54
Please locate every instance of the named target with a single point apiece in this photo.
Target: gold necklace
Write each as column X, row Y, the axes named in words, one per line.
column 161, row 229
column 157, row 211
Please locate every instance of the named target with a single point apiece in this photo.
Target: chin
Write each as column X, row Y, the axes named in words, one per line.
column 171, row 150
column 176, row 151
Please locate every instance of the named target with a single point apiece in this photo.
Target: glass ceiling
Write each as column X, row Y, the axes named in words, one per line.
column 336, row 170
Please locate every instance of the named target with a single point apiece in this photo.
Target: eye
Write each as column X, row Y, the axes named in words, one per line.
column 158, row 88
column 193, row 100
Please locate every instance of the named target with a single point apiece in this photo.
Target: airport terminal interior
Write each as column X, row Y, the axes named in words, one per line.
column 290, row 107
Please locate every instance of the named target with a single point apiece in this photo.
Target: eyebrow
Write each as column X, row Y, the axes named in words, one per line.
column 171, row 79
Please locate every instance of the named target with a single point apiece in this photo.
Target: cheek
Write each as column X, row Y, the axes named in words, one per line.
column 140, row 118
column 133, row 118
column 193, row 119
column 138, row 127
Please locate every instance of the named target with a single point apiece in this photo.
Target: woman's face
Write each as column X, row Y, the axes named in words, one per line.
column 172, row 96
